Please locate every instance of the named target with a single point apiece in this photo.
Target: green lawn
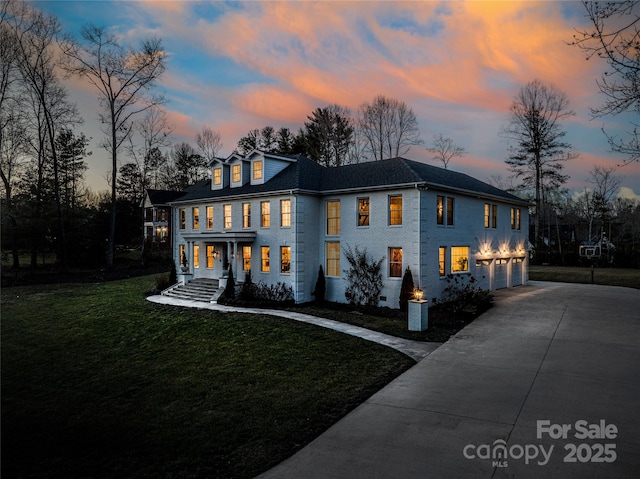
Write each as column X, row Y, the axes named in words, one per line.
column 98, row 382
column 575, row 274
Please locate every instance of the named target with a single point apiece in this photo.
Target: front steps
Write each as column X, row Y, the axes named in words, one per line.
column 199, row 289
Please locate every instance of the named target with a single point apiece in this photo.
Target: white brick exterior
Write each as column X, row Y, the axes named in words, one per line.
column 496, row 255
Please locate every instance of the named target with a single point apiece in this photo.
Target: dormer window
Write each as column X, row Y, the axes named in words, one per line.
column 236, row 172
column 217, row 176
column 257, row 170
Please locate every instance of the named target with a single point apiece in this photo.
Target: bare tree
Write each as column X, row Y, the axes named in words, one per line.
column 209, row 143
column 444, row 149
column 123, row 78
column 389, row 127
column 615, row 38
column 537, row 152
column 36, row 41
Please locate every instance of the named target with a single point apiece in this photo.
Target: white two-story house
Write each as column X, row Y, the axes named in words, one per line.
column 282, row 217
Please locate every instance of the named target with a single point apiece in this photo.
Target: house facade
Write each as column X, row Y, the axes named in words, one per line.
column 157, row 217
column 282, row 217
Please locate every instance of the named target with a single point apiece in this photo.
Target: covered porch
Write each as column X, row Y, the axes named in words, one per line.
column 209, row 254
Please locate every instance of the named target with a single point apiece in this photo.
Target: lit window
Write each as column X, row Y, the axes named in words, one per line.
column 265, row 267
column 183, row 218
column 196, row 256
column 459, row 259
column 515, row 218
column 490, row 216
column 226, row 213
column 363, row 211
column 183, row 255
column 449, row 211
column 196, row 218
column 442, row 257
column 235, row 173
column 285, row 259
column 333, row 217
column 395, row 210
column 444, row 209
column 257, row 170
column 285, row 213
column 246, row 258
column 265, row 214
column 217, row 176
column 246, row 215
column 209, row 217
column 395, row 262
column 333, row 258
column 210, row 258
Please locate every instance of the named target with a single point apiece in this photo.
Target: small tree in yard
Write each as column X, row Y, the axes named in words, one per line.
column 364, row 277
column 229, row 293
column 406, row 290
column 321, row 286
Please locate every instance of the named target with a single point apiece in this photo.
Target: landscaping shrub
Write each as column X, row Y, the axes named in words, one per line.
column 406, row 290
column 321, row 287
column 247, row 289
column 229, row 293
column 463, row 296
column 364, row 278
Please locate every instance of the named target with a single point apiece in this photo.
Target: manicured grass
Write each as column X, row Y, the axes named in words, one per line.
column 442, row 323
column 98, row 382
column 574, row 274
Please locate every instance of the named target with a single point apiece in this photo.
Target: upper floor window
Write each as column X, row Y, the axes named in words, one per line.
column 285, row 259
column 257, row 170
column 226, row 213
column 395, row 210
column 196, row 218
column 490, row 216
column 363, row 211
column 209, row 217
column 515, row 218
column 235, row 173
column 333, row 217
column 217, row 176
column 246, row 215
column 444, row 210
column 285, row 213
column 395, row 262
column 183, row 218
column 459, row 259
column 265, row 214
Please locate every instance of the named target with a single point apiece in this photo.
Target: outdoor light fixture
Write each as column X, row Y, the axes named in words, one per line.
column 417, row 294
column 215, row 254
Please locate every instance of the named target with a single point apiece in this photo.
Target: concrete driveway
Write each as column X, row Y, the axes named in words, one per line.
column 546, row 384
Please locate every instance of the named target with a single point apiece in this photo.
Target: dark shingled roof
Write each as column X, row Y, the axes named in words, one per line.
column 307, row 175
column 163, row 197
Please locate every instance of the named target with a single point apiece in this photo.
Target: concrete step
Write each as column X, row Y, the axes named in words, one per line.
column 201, row 289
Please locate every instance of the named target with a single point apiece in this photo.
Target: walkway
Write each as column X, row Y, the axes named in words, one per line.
column 417, row 350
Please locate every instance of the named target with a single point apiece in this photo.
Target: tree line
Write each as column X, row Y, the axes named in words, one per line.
column 46, row 205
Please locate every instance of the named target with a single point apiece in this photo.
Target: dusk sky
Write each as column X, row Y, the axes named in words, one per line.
column 235, row 66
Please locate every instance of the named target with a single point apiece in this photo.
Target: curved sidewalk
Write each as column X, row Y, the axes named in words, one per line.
column 546, row 358
column 416, row 350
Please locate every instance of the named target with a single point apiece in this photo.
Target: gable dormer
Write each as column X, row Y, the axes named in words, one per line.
column 219, row 174
column 240, row 170
column 264, row 166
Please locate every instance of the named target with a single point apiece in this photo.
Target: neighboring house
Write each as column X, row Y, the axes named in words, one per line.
column 157, row 216
column 281, row 217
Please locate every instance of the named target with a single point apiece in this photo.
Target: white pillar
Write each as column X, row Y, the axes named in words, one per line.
column 418, row 315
